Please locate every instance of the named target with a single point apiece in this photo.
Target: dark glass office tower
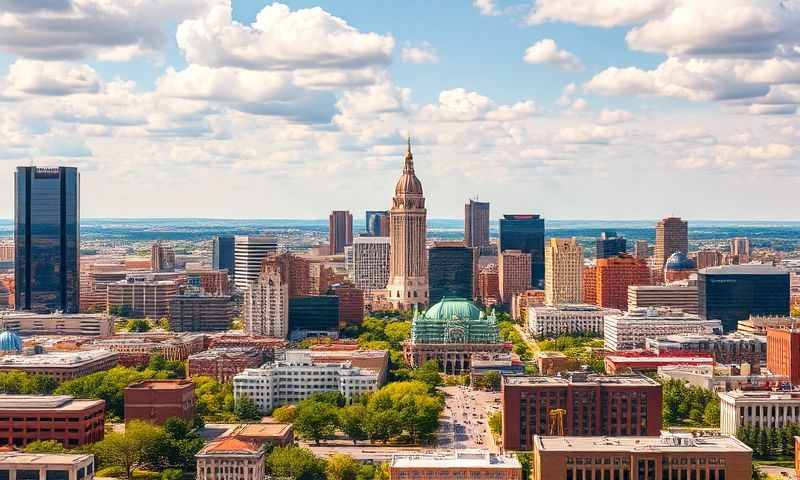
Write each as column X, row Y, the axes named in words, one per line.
column 525, row 233
column 47, row 239
column 319, row 313
column 610, row 245
column 223, row 254
column 734, row 292
column 377, row 223
column 451, row 271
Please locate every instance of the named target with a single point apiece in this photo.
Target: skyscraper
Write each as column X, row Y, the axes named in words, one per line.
column 377, row 223
column 740, row 247
column 408, row 269
column 452, row 268
column 672, row 235
column 615, row 275
column 340, row 231
column 266, row 303
column 371, row 262
column 526, row 234
column 295, row 270
column 641, row 249
column 476, row 224
column 249, row 253
column 223, row 253
column 47, row 239
column 162, row 257
column 563, row 271
column 610, row 245
column 514, row 273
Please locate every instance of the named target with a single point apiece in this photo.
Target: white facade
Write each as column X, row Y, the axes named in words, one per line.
column 266, row 306
column 248, row 253
column 567, row 320
column 297, row 377
column 764, row 409
column 563, row 271
column 370, row 262
column 629, row 330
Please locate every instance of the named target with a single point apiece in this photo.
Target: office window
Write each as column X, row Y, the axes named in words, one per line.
column 27, row 474
column 57, row 475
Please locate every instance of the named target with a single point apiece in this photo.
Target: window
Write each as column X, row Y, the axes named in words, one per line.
column 27, row 474
column 57, row 475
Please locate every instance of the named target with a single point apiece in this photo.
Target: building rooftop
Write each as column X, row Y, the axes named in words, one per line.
column 746, row 269
column 645, row 359
column 573, row 307
column 260, row 430
column 65, row 359
column 666, row 443
column 458, row 459
column 161, row 385
column 649, row 313
column 45, row 402
column 230, row 445
column 580, row 378
column 216, row 352
column 21, row 458
column 759, row 395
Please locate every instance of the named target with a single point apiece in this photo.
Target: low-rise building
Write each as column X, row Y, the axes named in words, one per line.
column 647, row 362
column 758, row 324
column 200, row 313
column 375, row 360
column 157, row 400
column 757, row 408
column 230, row 458
column 296, row 377
column 733, row 348
column 46, row 466
column 552, row 363
column 665, row 457
column 472, row 464
column 266, row 345
column 722, row 378
column 135, row 349
column 567, row 320
column 223, row 363
column 30, row 323
column 500, row 363
column 60, row 365
column 264, row 433
column 629, row 330
column 675, row 296
column 29, row 418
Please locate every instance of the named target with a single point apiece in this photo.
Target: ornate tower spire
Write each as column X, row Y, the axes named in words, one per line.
column 409, row 165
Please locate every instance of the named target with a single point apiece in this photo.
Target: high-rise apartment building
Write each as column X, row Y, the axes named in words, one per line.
column 476, row 224
column 377, row 223
column 610, row 245
column 526, row 234
column 740, row 248
column 707, row 258
column 672, row 235
column 266, row 303
column 162, row 257
column 615, row 275
column 371, row 262
column 297, row 272
column 47, row 239
column 249, row 253
column 452, row 268
column 563, row 271
column 408, row 268
column 783, row 353
column 340, row 231
column 590, row 284
column 489, row 285
column 222, row 256
column 513, row 273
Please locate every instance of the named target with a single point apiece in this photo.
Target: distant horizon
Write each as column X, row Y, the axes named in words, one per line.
column 308, row 219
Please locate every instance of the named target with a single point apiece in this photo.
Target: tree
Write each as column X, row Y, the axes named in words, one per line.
column 131, row 449
column 526, row 461
column 296, row 463
column 45, row 446
column 711, row 414
column 163, row 323
column 757, row 474
column 285, row 413
column 215, row 400
column 428, row 374
column 496, row 423
column 246, row 408
column 351, row 421
column 334, row 398
column 341, row 467
column 383, row 424
column 315, row 420
column 138, row 325
column 172, row 474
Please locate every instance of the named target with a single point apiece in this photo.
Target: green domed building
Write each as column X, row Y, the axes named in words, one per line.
column 450, row 332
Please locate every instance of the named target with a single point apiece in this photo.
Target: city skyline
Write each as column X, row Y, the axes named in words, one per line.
column 558, row 107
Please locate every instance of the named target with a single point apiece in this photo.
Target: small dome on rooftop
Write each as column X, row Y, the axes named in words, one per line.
column 448, row 308
column 679, row 261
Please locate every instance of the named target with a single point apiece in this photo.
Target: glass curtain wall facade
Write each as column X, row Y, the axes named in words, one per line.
column 525, row 233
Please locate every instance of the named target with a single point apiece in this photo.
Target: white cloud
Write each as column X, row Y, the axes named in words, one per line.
column 517, row 111
column 546, row 51
column 423, row 53
column 599, row 13
column 589, row 134
column 579, row 105
column 459, row 105
column 613, row 116
column 486, row 7
column 281, row 39
column 50, row 78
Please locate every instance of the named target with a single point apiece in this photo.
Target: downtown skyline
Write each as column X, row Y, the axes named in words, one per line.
column 568, row 112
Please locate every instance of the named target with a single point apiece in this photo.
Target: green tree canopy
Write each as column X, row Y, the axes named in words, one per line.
column 296, row 463
column 351, row 421
column 316, row 420
column 246, row 408
column 129, row 450
column 285, row 413
column 342, row 467
column 45, row 446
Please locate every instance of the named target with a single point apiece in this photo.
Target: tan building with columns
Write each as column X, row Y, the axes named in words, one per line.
column 231, row 458
column 408, row 266
column 563, row 271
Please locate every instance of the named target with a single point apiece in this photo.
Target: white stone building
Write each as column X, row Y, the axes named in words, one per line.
column 370, row 267
column 629, row 330
column 757, row 408
column 248, row 253
column 563, row 271
column 266, row 306
column 567, row 320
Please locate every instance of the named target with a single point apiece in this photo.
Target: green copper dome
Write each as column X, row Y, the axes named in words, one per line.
column 448, row 308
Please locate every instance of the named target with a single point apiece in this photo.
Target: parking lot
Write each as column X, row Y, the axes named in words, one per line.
column 464, row 422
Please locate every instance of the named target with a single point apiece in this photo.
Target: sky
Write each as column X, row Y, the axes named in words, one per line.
column 573, row 109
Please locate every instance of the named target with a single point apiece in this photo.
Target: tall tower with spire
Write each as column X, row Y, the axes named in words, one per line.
column 408, row 266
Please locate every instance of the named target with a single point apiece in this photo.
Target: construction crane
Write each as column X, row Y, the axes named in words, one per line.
column 555, row 420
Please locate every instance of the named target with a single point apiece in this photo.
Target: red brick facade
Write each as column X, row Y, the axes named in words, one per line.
column 60, row 418
column 615, row 275
column 157, row 400
column 783, row 353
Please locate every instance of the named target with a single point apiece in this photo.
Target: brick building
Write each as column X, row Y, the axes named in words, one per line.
column 613, row 277
column 157, row 400
column 594, row 405
column 514, row 273
column 28, row 418
column 351, row 304
column 200, row 313
column 489, row 285
column 136, row 348
column 783, row 353
column 589, row 280
column 649, row 362
column 265, row 345
column 61, row 365
column 223, row 363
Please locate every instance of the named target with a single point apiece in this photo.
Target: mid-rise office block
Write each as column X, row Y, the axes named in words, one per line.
column 141, row 297
column 452, row 268
column 224, row 363
column 670, row 456
column 30, row 323
column 314, row 314
column 223, row 254
column 594, row 404
column 589, row 278
column 61, row 366
column 200, row 313
column 641, row 249
column 47, row 239
column 707, row 258
column 297, row 272
column 675, row 297
column 340, row 231
column 526, row 234
column 672, row 235
column 522, row 301
column 135, row 349
column 734, row 292
column 266, row 304
column 371, row 262
column 489, row 285
column 567, row 320
column 30, row 418
column 762, row 409
column 613, row 277
column 783, row 353
column 162, row 257
column 513, row 273
column 563, row 271
column 476, row 224
column 610, row 245
column 377, row 223
column 351, row 304
column 741, row 249
column 733, row 348
column 472, row 464
column 50, row 466
column 249, row 254
column 158, row 400
column 631, row 329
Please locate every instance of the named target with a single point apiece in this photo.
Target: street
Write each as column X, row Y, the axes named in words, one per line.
column 464, row 422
